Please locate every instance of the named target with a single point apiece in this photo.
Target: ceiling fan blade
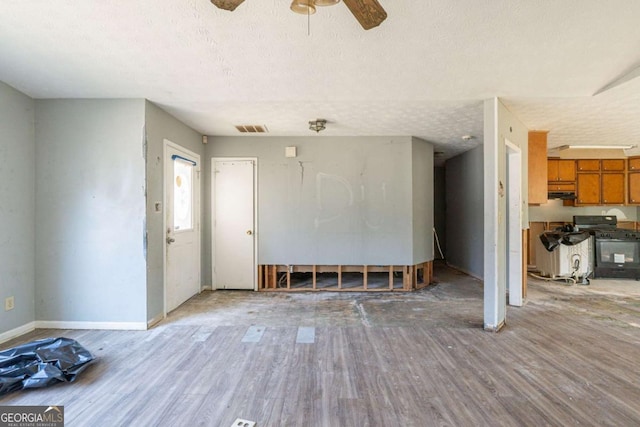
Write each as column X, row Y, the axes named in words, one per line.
column 369, row 13
column 229, row 5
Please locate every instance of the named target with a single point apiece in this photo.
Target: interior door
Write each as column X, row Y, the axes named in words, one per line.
column 233, row 223
column 182, row 201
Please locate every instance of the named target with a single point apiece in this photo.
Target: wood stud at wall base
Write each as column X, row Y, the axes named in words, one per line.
column 413, row 277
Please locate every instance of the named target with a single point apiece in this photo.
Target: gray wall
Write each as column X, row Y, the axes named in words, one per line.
column 17, row 207
column 160, row 126
column 90, row 211
column 343, row 200
column 422, row 175
column 439, row 209
column 464, row 212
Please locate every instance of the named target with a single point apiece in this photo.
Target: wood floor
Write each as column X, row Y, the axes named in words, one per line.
column 571, row 356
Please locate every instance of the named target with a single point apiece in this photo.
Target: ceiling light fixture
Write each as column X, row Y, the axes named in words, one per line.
column 467, row 137
column 596, row 147
column 325, row 2
column 318, row 125
column 308, row 7
column 303, row 7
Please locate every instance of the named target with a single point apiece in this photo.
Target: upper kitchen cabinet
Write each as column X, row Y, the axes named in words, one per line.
column 613, row 188
column 612, row 165
column 561, row 170
column 601, row 182
column 537, row 167
column 588, row 165
column 633, row 180
column 588, row 188
column 634, row 164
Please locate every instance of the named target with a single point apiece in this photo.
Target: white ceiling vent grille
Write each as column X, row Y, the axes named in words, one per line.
column 252, row 128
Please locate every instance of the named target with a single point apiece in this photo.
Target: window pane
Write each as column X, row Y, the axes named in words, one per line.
column 182, row 195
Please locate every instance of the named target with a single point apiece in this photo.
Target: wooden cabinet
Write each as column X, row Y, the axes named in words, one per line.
column 561, row 187
column 561, row 170
column 612, row 165
column 634, row 188
column 627, row 225
column 612, row 188
column 634, row 164
column 633, row 181
column 537, row 167
column 588, row 165
column 601, row 182
column 533, row 234
column 588, row 188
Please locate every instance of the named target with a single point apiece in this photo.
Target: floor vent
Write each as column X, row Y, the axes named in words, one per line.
column 239, row 422
column 252, row 128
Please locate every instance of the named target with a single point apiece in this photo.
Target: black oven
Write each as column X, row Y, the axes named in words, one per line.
column 617, row 251
column 617, row 254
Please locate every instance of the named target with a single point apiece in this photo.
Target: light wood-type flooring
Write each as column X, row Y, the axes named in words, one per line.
column 570, row 356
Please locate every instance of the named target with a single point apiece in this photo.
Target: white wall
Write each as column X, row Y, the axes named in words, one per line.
column 343, row 200
column 464, row 205
column 17, row 207
column 161, row 125
column 90, row 211
column 499, row 125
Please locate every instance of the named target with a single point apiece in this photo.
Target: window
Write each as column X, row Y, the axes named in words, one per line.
column 182, row 195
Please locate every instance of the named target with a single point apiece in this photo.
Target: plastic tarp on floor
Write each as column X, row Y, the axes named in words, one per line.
column 42, row 363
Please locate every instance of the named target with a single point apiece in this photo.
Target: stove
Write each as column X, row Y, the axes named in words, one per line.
column 616, row 250
column 594, row 222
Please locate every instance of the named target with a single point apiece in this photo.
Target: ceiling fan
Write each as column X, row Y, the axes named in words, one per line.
column 369, row 13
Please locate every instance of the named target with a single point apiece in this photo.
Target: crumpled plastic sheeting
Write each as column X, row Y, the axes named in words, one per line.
column 42, row 363
column 552, row 239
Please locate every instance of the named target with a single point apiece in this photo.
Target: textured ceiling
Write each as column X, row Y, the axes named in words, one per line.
column 424, row 72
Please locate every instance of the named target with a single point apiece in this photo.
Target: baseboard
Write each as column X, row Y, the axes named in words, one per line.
column 16, row 332
column 492, row 328
column 462, row 270
column 154, row 321
column 116, row 326
column 206, row 288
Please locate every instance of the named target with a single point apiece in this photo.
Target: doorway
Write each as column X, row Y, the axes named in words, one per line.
column 181, row 225
column 515, row 278
column 233, row 213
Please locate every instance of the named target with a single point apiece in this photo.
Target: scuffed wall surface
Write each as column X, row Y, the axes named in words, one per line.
column 17, row 207
column 90, row 211
column 343, row 200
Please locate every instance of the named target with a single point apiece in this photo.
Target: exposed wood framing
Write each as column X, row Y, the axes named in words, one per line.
column 413, row 277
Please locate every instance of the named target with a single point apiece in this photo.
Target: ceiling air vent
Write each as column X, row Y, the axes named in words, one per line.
column 252, row 128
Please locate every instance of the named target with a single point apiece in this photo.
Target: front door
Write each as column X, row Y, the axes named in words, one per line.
column 182, row 227
column 233, row 223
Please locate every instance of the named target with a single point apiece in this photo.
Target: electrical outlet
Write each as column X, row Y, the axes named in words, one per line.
column 8, row 304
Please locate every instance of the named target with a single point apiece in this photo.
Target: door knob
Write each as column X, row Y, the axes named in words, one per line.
column 170, row 240
column 249, row 232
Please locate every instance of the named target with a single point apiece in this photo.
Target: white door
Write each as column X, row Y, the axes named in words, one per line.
column 182, row 225
column 233, row 223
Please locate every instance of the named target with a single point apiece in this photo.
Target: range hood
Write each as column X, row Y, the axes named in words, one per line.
column 563, row 195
